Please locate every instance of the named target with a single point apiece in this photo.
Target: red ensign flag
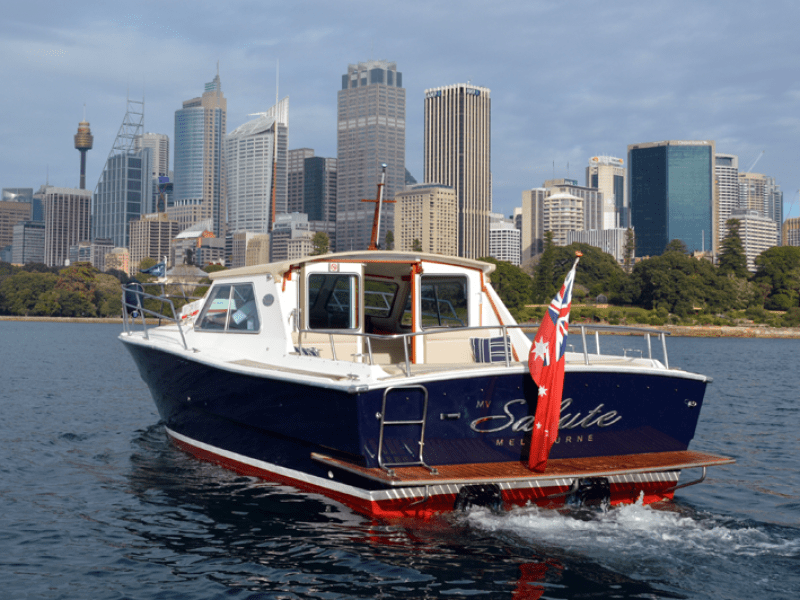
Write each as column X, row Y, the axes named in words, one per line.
column 546, row 363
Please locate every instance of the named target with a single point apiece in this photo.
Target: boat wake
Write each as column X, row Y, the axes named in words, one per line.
column 642, row 532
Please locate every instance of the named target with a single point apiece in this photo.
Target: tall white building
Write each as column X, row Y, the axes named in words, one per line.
column 607, row 174
column 159, row 147
column 726, row 171
column 458, row 154
column 758, row 233
column 504, row 239
column 252, row 157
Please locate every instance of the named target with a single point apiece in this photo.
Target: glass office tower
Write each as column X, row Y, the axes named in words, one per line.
column 672, row 195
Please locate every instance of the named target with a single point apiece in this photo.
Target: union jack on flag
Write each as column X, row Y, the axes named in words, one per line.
column 546, row 364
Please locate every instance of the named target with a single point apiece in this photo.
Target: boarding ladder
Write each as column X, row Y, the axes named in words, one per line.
column 420, row 423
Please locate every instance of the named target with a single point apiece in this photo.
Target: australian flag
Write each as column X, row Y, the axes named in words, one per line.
column 546, row 364
column 159, row 270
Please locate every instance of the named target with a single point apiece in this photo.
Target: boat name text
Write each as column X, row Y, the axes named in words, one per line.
column 497, row 423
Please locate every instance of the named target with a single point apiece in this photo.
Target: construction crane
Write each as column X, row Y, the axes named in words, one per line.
column 376, row 219
column 755, row 162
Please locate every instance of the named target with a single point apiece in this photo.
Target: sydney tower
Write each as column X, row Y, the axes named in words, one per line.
column 83, row 143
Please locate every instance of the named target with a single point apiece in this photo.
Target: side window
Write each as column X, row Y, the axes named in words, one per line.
column 378, row 297
column 443, row 301
column 332, row 301
column 230, row 308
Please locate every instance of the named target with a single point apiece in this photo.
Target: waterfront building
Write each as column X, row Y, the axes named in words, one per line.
column 255, row 154
column 593, row 201
column 607, row 175
column 25, row 195
column 726, row 172
column 296, row 179
column 532, row 223
column 258, row 250
column 371, row 131
column 562, row 213
column 773, row 204
column 426, row 219
column 540, row 214
column 158, row 143
column 118, row 259
column 184, row 245
column 199, row 188
column 159, row 147
column 672, row 195
column 790, row 234
column 457, row 153
column 610, row 241
column 760, row 192
column 124, row 191
column 11, row 213
column 504, row 239
column 151, row 237
column 66, row 222
column 758, row 233
column 28, row 245
column 291, row 237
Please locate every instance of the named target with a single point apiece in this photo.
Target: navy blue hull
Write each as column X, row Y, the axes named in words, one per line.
column 469, row 420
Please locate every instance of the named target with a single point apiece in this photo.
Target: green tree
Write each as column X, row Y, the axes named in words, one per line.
column 416, row 245
column 732, row 259
column 78, row 288
column 676, row 246
column 598, row 271
column 320, row 243
column 778, row 275
column 678, row 283
column 512, row 284
column 21, row 291
column 629, row 249
column 389, row 240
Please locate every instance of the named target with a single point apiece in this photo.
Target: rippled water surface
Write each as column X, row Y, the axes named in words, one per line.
column 96, row 503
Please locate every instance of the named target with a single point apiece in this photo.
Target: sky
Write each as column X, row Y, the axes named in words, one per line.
column 569, row 79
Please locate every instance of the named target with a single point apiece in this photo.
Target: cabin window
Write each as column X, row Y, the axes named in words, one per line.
column 230, row 308
column 379, row 297
column 443, row 301
column 332, row 301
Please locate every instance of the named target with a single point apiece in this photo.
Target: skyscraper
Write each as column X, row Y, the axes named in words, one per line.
column 123, row 192
column 672, row 195
column 458, row 154
column 199, row 191
column 607, row 174
column 726, row 171
column 253, row 158
column 297, row 179
column 66, row 222
column 159, row 149
column 371, row 130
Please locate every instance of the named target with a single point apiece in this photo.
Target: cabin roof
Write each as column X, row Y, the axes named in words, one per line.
column 277, row 269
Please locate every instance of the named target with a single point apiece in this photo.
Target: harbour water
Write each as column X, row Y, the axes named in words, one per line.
column 96, row 503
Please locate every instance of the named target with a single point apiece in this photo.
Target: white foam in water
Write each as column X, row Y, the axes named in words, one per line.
column 636, row 531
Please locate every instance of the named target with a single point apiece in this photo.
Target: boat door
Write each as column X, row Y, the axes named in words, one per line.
column 332, row 301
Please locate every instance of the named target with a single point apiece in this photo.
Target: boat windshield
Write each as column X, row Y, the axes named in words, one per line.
column 230, row 308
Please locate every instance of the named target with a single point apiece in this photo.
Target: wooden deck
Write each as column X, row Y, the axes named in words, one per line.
column 559, row 468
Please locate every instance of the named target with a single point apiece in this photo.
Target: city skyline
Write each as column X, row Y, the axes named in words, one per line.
column 631, row 74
